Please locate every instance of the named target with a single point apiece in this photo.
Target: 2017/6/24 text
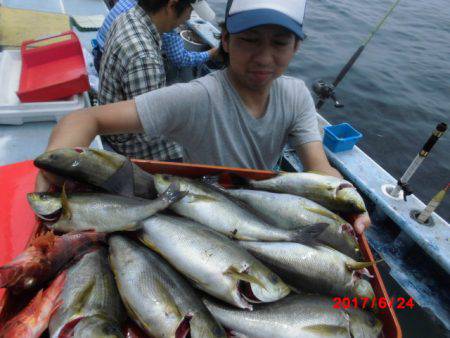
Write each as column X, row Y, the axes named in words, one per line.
column 399, row 303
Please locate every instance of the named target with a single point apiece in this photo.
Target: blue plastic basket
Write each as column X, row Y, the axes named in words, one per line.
column 340, row 137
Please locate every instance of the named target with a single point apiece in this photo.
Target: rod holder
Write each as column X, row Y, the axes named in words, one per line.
column 402, row 184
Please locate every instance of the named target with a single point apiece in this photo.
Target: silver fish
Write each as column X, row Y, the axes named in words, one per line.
column 331, row 192
column 105, row 169
column 317, row 269
column 97, row 327
column 299, row 316
column 90, row 290
column 291, row 212
column 156, row 296
column 213, row 262
column 212, row 207
column 99, row 212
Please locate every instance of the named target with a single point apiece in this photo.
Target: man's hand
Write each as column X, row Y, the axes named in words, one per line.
column 362, row 222
column 44, row 181
column 214, row 53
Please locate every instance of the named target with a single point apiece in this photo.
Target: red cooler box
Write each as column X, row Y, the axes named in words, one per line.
column 18, row 225
column 54, row 70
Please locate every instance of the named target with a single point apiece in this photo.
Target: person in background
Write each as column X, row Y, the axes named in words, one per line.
column 110, row 3
column 240, row 116
column 132, row 64
column 172, row 43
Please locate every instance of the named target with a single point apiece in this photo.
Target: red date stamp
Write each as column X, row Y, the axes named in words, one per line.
column 399, row 303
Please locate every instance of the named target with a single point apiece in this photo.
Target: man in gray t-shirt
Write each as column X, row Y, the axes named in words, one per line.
column 241, row 116
column 208, row 117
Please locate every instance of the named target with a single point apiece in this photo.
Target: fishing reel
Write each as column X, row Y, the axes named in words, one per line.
column 325, row 91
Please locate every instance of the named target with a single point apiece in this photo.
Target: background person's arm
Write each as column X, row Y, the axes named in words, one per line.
column 179, row 56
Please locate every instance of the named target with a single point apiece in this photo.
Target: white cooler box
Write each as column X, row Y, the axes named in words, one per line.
column 12, row 111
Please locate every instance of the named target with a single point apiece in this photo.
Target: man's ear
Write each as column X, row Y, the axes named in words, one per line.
column 297, row 44
column 225, row 37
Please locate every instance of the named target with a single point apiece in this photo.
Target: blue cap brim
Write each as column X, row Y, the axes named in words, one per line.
column 243, row 21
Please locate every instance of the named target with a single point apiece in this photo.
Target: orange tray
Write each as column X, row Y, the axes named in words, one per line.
column 18, row 224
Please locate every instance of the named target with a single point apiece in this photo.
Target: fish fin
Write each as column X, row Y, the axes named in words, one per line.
column 244, row 276
column 45, row 242
column 327, row 330
column 294, row 289
column 172, row 193
column 66, row 212
column 307, row 235
column 148, row 244
column 83, row 296
column 200, row 198
column 122, row 181
column 324, row 212
column 351, row 266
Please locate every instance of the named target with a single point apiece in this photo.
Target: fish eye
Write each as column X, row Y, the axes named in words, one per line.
column 273, row 278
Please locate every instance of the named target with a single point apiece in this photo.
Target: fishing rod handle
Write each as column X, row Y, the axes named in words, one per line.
column 441, row 128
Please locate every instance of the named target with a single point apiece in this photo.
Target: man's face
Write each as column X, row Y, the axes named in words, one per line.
column 259, row 55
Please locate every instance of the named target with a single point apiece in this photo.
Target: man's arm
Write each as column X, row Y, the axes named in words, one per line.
column 313, row 157
column 78, row 129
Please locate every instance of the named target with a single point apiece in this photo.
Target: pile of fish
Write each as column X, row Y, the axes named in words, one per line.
column 187, row 258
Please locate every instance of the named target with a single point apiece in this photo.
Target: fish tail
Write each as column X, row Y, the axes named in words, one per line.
column 308, row 235
column 173, row 194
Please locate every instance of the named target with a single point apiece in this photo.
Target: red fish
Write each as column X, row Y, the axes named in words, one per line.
column 33, row 320
column 46, row 255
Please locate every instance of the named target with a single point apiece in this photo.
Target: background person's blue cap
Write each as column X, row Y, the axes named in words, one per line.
column 242, row 15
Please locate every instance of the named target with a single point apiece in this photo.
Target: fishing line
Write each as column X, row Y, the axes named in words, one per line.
column 325, row 90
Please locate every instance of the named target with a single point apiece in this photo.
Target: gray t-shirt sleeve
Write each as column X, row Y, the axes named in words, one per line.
column 176, row 112
column 305, row 126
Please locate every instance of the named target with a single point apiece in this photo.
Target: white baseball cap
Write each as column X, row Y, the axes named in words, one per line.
column 242, row 15
column 203, row 10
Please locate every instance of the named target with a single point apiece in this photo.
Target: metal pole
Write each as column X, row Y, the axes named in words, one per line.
column 402, row 182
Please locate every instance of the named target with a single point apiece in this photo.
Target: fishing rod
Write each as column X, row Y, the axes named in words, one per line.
column 402, row 183
column 325, row 90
